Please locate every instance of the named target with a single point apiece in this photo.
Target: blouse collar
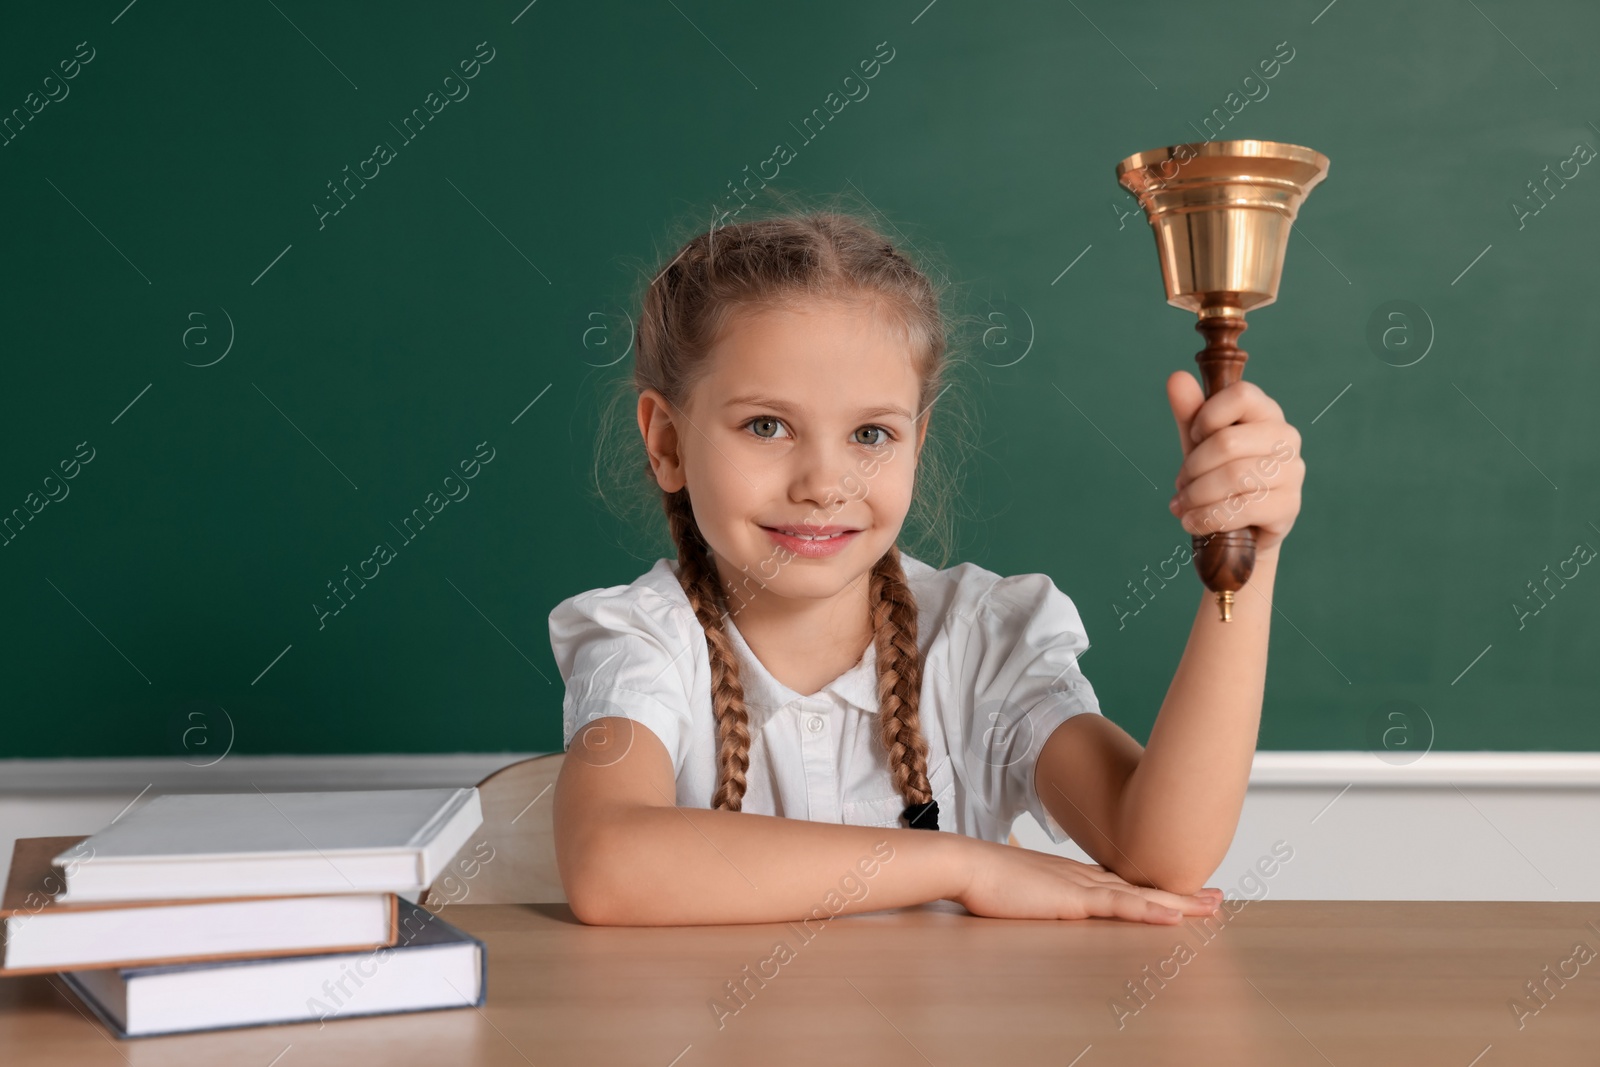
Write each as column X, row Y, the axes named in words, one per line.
column 857, row 686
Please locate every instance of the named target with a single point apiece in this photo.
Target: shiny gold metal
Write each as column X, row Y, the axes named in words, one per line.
column 1221, row 212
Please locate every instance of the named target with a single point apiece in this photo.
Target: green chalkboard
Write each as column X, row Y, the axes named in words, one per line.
column 279, row 278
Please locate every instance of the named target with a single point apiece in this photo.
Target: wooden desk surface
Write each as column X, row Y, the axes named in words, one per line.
column 1351, row 983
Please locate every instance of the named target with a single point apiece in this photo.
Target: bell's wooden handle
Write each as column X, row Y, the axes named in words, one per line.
column 1224, row 560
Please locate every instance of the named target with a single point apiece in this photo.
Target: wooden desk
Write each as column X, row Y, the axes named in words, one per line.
column 1280, row 982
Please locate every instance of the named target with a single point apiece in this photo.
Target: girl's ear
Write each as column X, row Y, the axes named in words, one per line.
column 660, row 440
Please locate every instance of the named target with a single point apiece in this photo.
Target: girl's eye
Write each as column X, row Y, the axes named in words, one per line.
column 764, row 420
column 883, row 435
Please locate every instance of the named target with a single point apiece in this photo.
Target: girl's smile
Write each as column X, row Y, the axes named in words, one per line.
column 812, row 542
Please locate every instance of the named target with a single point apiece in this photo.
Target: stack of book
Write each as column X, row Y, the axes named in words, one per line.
column 214, row 911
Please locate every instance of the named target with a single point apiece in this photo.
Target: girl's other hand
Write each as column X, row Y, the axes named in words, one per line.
column 1241, row 461
column 1008, row 882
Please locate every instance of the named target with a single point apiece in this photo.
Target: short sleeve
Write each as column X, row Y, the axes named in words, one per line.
column 1023, row 661
column 625, row 651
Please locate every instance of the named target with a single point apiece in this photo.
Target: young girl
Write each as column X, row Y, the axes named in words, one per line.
column 793, row 703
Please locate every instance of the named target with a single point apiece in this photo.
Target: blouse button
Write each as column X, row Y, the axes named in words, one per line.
column 814, row 724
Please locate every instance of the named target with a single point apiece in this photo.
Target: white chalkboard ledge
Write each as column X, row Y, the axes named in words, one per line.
column 1444, row 770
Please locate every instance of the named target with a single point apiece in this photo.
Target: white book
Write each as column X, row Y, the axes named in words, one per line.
column 434, row 965
column 192, row 845
column 39, row 934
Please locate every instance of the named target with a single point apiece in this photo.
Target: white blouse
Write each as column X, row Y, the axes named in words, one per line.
column 999, row 674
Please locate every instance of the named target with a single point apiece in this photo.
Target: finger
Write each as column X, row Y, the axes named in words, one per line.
column 1274, row 512
column 1240, row 402
column 1239, row 477
column 1117, row 904
column 1271, row 444
column 1201, row 903
column 1234, row 496
column 1185, row 397
column 1229, row 487
column 1142, row 909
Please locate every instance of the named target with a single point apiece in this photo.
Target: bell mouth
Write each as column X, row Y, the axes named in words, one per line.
column 1248, row 159
column 1222, row 212
column 1212, row 175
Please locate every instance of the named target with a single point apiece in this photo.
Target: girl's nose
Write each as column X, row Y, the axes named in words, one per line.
column 820, row 474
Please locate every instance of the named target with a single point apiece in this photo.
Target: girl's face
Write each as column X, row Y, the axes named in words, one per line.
column 806, row 421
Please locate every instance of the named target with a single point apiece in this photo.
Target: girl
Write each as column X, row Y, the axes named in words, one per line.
column 789, row 706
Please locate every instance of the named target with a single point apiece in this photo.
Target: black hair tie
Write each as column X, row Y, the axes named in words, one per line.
column 922, row 816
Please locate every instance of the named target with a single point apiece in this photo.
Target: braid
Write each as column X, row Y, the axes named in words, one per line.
column 699, row 580
column 894, row 626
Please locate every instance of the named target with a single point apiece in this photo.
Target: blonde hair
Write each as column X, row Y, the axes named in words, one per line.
column 774, row 262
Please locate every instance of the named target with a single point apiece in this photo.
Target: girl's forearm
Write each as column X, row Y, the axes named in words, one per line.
column 1180, row 806
column 657, row 866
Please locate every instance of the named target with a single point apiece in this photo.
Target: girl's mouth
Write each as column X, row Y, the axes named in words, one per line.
column 812, row 542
